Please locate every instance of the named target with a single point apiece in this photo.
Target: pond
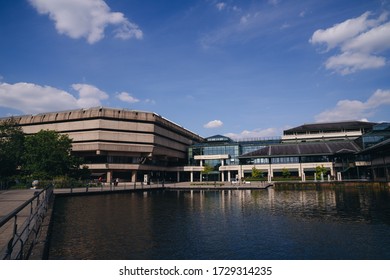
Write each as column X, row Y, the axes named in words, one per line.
column 341, row 223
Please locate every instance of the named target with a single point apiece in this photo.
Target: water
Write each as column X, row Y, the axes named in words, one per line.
column 238, row 224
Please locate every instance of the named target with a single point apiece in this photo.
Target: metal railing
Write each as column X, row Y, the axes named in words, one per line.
column 24, row 224
column 107, row 187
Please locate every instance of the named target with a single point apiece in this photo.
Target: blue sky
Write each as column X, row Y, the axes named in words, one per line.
column 238, row 68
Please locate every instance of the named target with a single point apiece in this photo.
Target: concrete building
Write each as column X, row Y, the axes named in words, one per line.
column 327, row 131
column 376, row 146
column 336, row 147
column 118, row 143
column 139, row 146
column 223, row 155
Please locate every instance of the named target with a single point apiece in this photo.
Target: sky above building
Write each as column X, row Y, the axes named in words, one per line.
column 244, row 69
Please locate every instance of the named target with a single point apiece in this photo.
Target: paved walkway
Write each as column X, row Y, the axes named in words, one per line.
column 9, row 201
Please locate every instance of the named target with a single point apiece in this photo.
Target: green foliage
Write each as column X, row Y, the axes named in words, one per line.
column 67, row 182
column 48, row 155
column 319, row 170
column 286, row 173
column 207, row 169
column 11, row 148
column 256, row 173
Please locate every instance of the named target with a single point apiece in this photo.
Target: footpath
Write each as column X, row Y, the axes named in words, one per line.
column 9, row 201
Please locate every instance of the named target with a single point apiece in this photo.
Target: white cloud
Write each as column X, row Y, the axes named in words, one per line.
column 90, row 96
column 245, row 19
column 31, row 98
column 220, row 6
column 341, row 32
column 86, row 18
column 213, row 124
column 359, row 42
column 256, row 133
column 375, row 40
column 126, row 97
column 150, row 101
column 273, row 2
column 355, row 109
column 347, row 63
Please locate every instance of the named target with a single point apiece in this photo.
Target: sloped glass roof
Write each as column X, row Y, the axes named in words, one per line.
column 305, row 148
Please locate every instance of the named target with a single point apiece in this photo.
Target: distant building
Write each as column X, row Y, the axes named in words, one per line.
column 223, row 155
column 349, row 130
column 143, row 146
column 347, row 150
column 376, row 146
column 118, row 143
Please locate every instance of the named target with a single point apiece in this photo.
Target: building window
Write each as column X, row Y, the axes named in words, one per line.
column 278, row 160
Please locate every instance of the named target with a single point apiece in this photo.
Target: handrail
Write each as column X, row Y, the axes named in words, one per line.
column 24, row 234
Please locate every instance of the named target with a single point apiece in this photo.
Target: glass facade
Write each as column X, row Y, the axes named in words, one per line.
column 222, row 145
column 379, row 133
column 278, row 160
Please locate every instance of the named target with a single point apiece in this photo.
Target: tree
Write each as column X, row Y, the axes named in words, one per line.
column 256, row 173
column 48, row 155
column 207, row 169
column 11, row 148
column 286, row 173
column 319, row 170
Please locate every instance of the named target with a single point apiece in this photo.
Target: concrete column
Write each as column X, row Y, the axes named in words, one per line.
column 332, row 170
column 178, row 176
column 109, row 176
column 192, row 176
column 223, row 176
column 201, row 162
column 229, row 176
column 134, row 176
column 240, row 173
column 270, row 173
column 222, row 162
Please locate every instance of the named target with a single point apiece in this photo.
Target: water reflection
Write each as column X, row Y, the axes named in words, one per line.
column 235, row 224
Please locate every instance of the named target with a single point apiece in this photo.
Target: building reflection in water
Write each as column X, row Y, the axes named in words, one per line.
column 224, row 224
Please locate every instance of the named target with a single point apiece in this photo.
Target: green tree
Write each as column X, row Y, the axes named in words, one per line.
column 207, row 169
column 48, row 155
column 320, row 169
column 11, row 148
column 256, row 173
column 286, row 173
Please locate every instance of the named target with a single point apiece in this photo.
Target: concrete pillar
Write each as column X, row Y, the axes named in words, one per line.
column 270, row 173
column 332, row 170
column 240, row 173
column 192, row 176
column 223, row 176
column 201, row 162
column 229, row 176
column 109, row 176
column 178, row 176
column 222, row 162
column 134, row 176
